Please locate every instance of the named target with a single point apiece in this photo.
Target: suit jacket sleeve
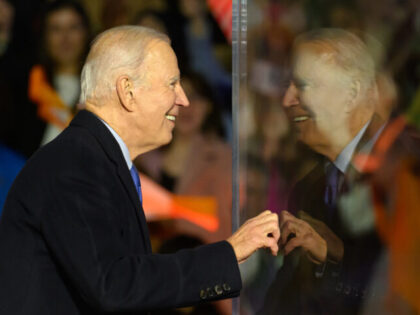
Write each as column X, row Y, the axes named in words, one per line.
column 81, row 229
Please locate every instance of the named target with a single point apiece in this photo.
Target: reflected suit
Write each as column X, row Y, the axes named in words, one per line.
column 303, row 287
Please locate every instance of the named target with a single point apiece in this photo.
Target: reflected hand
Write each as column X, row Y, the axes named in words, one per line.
column 335, row 245
column 305, row 237
column 261, row 231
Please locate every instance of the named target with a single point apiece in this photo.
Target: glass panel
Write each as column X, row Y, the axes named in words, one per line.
column 239, row 42
column 326, row 136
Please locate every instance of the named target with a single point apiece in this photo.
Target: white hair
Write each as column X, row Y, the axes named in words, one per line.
column 347, row 50
column 119, row 50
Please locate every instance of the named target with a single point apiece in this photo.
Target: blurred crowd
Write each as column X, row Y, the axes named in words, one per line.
column 42, row 48
column 287, row 167
column 43, row 45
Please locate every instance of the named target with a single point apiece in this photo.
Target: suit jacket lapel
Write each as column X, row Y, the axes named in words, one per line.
column 88, row 120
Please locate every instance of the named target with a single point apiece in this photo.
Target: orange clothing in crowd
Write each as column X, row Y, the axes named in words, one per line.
column 50, row 106
column 208, row 173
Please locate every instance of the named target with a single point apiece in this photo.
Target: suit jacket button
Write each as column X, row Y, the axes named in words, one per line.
column 364, row 293
column 226, row 287
column 210, row 292
column 218, row 289
column 203, row 294
column 347, row 290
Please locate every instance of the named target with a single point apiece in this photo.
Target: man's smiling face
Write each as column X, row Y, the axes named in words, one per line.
column 159, row 96
column 315, row 101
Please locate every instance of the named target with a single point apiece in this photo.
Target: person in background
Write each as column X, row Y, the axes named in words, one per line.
column 20, row 128
column 54, row 83
column 16, row 118
column 197, row 162
column 7, row 13
column 203, row 40
column 200, row 32
column 153, row 19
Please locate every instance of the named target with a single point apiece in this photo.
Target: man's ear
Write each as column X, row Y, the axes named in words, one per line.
column 125, row 92
column 353, row 96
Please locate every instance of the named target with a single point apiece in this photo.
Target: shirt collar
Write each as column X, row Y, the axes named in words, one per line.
column 122, row 145
column 343, row 159
column 367, row 148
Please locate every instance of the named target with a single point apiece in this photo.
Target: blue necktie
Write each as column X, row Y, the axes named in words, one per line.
column 136, row 180
column 334, row 181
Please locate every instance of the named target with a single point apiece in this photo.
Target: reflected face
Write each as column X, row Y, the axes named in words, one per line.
column 190, row 120
column 159, row 96
column 65, row 36
column 315, row 101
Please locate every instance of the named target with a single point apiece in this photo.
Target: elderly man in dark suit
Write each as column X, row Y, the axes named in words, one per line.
column 331, row 250
column 73, row 236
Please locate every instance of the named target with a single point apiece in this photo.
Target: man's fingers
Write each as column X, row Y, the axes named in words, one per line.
column 319, row 226
column 285, row 217
column 304, row 216
column 258, row 232
column 258, row 218
column 269, row 224
column 292, row 244
column 288, row 228
column 276, row 233
column 274, row 247
column 262, row 215
column 265, row 212
column 266, row 216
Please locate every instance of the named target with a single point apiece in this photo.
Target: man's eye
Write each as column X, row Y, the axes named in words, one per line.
column 301, row 86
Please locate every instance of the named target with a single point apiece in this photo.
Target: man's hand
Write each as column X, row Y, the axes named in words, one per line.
column 335, row 245
column 258, row 232
column 304, row 236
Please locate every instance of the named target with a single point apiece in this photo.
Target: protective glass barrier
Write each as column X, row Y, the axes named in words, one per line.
column 326, row 108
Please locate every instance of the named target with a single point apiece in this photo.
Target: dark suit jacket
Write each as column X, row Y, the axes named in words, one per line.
column 74, row 239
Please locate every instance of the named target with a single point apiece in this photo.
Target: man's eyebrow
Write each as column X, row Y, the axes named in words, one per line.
column 298, row 81
column 175, row 78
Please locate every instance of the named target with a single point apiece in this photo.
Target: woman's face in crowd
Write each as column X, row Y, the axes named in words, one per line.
column 65, row 36
column 6, row 18
column 190, row 119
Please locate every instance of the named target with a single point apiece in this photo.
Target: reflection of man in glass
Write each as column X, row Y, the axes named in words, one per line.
column 331, row 102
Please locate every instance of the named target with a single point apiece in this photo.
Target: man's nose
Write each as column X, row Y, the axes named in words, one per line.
column 181, row 97
column 291, row 97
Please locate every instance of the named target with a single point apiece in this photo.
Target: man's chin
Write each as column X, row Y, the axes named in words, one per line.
column 306, row 138
column 167, row 140
column 159, row 143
